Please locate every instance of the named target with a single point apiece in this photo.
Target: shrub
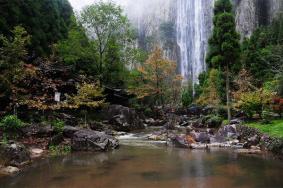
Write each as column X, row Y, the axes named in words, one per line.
column 148, row 112
column 58, row 126
column 11, row 123
column 187, row 96
column 221, row 111
column 214, row 122
column 254, row 102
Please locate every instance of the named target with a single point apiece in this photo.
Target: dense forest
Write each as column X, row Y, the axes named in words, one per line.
column 54, row 63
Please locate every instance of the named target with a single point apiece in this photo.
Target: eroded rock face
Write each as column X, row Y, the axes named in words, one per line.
column 123, row 118
column 14, row 154
column 88, row 140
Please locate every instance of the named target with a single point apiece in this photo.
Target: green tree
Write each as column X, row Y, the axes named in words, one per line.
column 12, row 54
column 46, row 20
column 224, row 45
column 78, row 51
column 187, row 95
column 210, row 94
column 263, row 53
column 110, row 30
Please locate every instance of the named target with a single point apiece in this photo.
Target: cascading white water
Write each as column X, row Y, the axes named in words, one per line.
column 194, row 23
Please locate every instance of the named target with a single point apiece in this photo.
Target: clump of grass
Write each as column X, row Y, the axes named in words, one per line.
column 59, row 150
column 273, row 128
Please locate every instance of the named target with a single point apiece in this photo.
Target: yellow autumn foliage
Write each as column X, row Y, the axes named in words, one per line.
column 157, row 78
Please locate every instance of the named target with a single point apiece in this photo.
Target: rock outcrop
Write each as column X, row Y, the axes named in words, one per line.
column 88, row 140
column 123, row 118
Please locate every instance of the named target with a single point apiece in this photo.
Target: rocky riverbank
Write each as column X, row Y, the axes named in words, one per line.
column 190, row 129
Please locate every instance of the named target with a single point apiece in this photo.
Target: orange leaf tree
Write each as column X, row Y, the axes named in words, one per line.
column 157, row 78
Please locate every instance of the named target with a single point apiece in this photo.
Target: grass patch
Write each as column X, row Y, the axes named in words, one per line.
column 275, row 128
column 59, row 150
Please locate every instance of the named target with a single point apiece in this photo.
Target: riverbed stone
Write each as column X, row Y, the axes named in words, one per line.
column 36, row 152
column 180, row 142
column 14, row 154
column 88, row 140
column 9, row 170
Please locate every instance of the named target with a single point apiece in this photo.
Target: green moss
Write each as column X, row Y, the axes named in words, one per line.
column 275, row 128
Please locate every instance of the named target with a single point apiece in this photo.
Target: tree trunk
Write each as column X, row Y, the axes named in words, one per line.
column 228, row 94
column 100, row 69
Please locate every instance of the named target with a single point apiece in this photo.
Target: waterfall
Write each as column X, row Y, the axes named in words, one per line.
column 194, row 25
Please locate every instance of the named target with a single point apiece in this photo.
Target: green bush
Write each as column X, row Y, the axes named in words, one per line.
column 58, row 126
column 11, row 123
column 221, row 111
column 187, row 96
column 215, row 121
column 212, row 121
column 148, row 112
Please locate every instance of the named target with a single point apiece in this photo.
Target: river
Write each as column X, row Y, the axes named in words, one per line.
column 150, row 165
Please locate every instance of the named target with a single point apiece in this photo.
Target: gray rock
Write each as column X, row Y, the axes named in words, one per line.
column 123, row 118
column 180, row 142
column 98, row 126
column 252, row 141
column 69, row 131
column 228, row 131
column 88, row 140
column 14, row 154
column 202, row 137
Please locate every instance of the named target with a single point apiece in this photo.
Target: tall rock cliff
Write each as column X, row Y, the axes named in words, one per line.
column 251, row 14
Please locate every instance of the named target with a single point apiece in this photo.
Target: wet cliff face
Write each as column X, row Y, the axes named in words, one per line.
column 251, row 14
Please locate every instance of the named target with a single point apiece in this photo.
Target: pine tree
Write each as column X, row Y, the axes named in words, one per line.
column 224, row 45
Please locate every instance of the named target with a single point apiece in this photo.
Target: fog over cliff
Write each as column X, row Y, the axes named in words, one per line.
column 182, row 27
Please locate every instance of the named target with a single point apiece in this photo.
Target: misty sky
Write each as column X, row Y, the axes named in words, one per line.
column 79, row 4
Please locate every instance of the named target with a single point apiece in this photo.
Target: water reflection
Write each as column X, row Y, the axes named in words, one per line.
column 136, row 167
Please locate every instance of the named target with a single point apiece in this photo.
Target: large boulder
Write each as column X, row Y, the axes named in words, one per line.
column 252, row 141
column 99, row 126
column 88, row 140
column 228, row 131
column 39, row 130
column 123, row 118
column 14, row 154
column 202, row 137
column 69, row 131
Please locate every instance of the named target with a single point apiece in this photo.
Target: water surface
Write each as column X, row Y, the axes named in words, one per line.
column 152, row 167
